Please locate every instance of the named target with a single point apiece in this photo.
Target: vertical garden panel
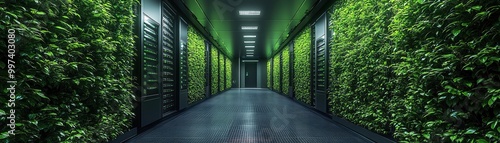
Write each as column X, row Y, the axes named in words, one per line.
column 421, row 71
column 73, row 69
column 276, row 73
column 215, row 70
column 269, row 73
column 286, row 70
column 302, row 66
column 221, row 72
column 228, row 74
column 196, row 54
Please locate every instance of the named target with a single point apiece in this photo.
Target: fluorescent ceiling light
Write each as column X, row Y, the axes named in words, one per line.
column 249, row 55
column 249, row 36
column 244, row 12
column 249, row 41
column 249, row 27
column 249, row 46
column 250, row 50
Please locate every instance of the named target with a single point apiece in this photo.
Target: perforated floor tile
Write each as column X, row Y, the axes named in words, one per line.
column 248, row 116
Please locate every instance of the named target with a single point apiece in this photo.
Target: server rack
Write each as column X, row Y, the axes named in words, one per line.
column 183, row 65
column 320, row 69
column 169, row 103
column 150, row 100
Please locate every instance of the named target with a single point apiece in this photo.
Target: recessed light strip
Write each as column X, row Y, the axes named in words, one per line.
column 249, row 36
column 249, row 12
column 249, row 27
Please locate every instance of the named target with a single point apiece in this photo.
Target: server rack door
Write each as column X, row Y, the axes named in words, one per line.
column 168, row 80
column 183, row 65
column 151, row 99
column 321, row 66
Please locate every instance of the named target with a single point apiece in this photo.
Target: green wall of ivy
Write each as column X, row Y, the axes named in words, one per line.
column 269, row 74
column 73, row 69
column 276, row 73
column 228, row 74
column 422, row 71
column 221, row 72
column 215, row 72
column 196, row 58
column 286, row 70
column 302, row 66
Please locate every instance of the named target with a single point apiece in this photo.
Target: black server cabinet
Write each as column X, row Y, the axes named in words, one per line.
column 320, row 61
column 168, row 68
column 151, row 100
column 183, row 65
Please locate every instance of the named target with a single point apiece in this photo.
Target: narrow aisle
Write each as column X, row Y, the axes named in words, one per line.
column 248, row 115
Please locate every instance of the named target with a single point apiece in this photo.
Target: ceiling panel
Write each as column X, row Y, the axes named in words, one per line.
column 222, row 20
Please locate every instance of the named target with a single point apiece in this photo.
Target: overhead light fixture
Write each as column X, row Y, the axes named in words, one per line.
column 250, row 50
column 249, row 27
column 249, row 55
column 245, row 12
column 249, row 46
column 249, row 42
column 249, row 36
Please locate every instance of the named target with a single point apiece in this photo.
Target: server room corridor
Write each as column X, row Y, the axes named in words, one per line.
column 249, row 115
column 250, row 71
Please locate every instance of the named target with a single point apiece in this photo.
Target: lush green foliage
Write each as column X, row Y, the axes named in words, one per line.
column 302, row 66
column 196, row 65
column 276, row 73
column 228, row 74
column 73, row 69
column 269, row 74
column 286, row 69
column 215, row 70
column 424, row 71
column 221, row 72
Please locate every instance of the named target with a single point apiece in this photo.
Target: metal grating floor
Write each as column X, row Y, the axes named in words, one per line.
column 248, row 116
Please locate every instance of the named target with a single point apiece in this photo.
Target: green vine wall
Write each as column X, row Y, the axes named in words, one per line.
column 215, row 70
column 286, row 70
column 421, row 71
column 196, row 53
column 228, row 74
column 221, row 72
column 276, row 73
column 302, row 66
column 74, row 64
column 269, row 74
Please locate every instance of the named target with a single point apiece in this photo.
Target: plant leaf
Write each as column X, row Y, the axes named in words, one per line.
column 470, row 131
column 456, row 32
column 477, row 7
